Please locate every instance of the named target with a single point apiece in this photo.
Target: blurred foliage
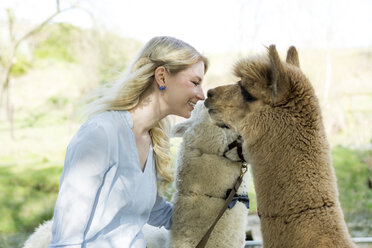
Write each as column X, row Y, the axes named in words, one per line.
column 21, row 66
column 28, row 193
column 99, row 52
column 57, row 102
column 116, row 53
column 56, row 44
column 353, row 175
column 355, row 188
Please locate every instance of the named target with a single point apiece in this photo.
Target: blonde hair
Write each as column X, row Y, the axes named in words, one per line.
column 124, row 94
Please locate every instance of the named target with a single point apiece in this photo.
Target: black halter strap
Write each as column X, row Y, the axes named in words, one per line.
column 238, row 144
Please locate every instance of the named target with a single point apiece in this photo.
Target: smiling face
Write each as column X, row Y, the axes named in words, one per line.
column 184, row 90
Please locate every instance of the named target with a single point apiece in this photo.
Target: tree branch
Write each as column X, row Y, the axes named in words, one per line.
column 40, row 26
column 8, row 70
column 10, row 16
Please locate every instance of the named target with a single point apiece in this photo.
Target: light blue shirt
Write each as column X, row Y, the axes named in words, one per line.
column 104, row 197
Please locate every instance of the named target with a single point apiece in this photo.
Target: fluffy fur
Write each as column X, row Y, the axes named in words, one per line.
column 41, row 237
column 202, row 181
column 275, row 109
column 203, row 177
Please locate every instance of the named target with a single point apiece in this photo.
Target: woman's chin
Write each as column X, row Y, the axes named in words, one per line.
column 186, row 114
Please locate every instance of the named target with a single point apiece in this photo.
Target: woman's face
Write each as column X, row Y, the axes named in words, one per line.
column 184, row 90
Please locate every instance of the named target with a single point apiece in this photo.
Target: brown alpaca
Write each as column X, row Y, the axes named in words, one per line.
column 275, row 109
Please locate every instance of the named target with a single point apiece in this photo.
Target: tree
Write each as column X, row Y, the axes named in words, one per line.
column 11, row 61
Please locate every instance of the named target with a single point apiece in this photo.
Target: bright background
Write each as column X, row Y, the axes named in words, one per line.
column 221, row 25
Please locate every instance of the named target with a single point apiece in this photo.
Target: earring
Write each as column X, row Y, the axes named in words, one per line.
column 162, row 87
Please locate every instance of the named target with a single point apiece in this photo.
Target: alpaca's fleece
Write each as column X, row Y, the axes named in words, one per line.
column 41, row 237
column 274, row 108
column 155, row 237
column 203, row 177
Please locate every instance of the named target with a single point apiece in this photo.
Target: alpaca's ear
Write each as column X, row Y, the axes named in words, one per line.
column 179, row 129
column 279, row 83
column 276, row 70
column 292, row 57
column 240, row 68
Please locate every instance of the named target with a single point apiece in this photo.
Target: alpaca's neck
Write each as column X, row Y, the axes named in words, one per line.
column 292, row 177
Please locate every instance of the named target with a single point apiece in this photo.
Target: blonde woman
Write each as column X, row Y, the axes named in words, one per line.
column 108, row 188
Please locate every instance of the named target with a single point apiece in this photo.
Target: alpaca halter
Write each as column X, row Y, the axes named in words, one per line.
column 231, row 197
column 239, row 180
column 238, row 144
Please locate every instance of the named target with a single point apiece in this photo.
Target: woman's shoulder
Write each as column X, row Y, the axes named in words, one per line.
column 108, row 121
column 103, row 129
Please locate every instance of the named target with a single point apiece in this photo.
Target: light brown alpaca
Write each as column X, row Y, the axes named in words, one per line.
column 275, row 110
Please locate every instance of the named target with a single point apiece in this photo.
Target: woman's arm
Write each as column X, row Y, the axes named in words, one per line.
column 161, row 213
column 86, row 164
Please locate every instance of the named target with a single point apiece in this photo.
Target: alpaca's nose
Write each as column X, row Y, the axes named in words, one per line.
column 209, row 93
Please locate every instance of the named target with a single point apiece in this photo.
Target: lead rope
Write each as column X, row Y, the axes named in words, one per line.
column 204, row 240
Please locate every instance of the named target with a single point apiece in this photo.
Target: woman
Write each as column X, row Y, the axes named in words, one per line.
column 108, row 188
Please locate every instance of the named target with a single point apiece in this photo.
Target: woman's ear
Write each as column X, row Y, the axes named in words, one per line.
column 160, row 75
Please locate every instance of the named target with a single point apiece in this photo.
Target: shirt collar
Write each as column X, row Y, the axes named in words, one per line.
column 128, row 118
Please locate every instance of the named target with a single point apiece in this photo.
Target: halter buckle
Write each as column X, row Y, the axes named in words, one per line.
column 244, row 169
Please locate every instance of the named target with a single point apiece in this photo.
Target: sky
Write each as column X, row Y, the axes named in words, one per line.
column 219, row 25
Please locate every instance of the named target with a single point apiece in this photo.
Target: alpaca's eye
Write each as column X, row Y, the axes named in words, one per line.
column 221, row 125
column 247, row 97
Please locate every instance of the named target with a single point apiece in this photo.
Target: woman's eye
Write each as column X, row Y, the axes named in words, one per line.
column 195, row 83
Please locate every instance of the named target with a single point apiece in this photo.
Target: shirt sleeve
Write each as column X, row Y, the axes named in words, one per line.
column 86, row 164
column 161, row 213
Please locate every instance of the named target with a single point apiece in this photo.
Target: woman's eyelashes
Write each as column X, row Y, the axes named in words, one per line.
column 195, row 83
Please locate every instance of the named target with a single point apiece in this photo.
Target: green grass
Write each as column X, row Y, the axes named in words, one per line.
column 353, row 175
column 27, row 195
column 14, row 240
column 354, row 193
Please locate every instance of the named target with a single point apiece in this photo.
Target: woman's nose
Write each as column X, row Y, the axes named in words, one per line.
column 200, row 94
